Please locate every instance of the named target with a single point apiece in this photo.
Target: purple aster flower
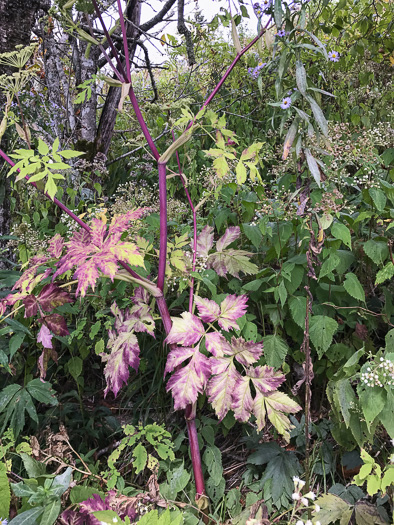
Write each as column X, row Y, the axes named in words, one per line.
column 281, row 33
column 3, row 521
column 265, row 4
column 333, row 56
column 286, row 103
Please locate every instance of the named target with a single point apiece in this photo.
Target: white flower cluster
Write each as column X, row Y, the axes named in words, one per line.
column 379, row 374
column 304, row 499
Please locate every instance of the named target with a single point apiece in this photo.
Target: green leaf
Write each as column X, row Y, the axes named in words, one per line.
column 29, row 517
column 301, row 77
column 346, row 398
column 42, row 147
column 50, row 187
column 377, row 251
column 367, row 514
column 15, row 343
column 329, row 265
column 107, row 516
column 278, row 13
column 372, row 401
column 178, row 479
column 342, row 232
column 313, row 166
column 275, row 350
column 213, row 460
column 141, row 456
column 318, row 114
column 150, row 518
column 390, row 341
column 253, row 233
column 386, row 273
column 51, row 512
column 70, row 154
column 280, row 471
column 74, row 366
column 61, row 482
column 321, row 331
column 297, row 306
column 34, row 468
column 333, row 509
column 353, row 287
column 42, row 391
column 5, row 493
column 379, row 198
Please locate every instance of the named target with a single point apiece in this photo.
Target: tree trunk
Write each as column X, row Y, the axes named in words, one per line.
column 108, row 115
column 17, row 18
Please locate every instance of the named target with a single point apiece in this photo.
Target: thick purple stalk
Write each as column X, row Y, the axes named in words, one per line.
column 125, row 46
column 109, row 39
column 142, row 124
column 194, row 228
column 190, row 416
column 163, row 225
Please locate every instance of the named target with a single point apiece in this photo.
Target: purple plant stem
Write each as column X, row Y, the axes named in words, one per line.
column 69, row 213
column 190, row 416
column 109, row 39
column 142, row 124
column 163, row 225
column 194, row 228
column 125, row 46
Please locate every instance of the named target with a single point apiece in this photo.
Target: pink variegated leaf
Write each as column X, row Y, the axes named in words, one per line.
column 176, row 357
column 12, row 298
column 141, row 295
column 231, row 261
column 221, row 386
column 205, row 241
column 124, row 353
column 246, row 352
column 275, row 405
column 230, row 235
column 56, row 323
column 186, row 330
column 31, row 305
column 98, row 232
column 56, row 246
column 28, row 275
column 120, row 223
column 140, row 319
column 187, row 382
column 265, row 378
column 217, row 344
column 208, row 310
column 107, row 264
column 3, row 307
column 45, row 337
column 127, row 252
column 87, row 275
column 233, row 307
column 51, row 296
column 242, row 402
column 43, row 360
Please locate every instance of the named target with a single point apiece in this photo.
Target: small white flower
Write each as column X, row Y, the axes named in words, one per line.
column 317, row 508
column 305, row 502
column 295, row 496
column 300, row 522
column 308, row 522
column 114, row 520
column 318, row 523
column 311, row 495
column 392, row 442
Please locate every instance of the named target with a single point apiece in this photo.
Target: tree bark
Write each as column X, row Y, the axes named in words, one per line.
column 17, row 18
column 110, row 110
